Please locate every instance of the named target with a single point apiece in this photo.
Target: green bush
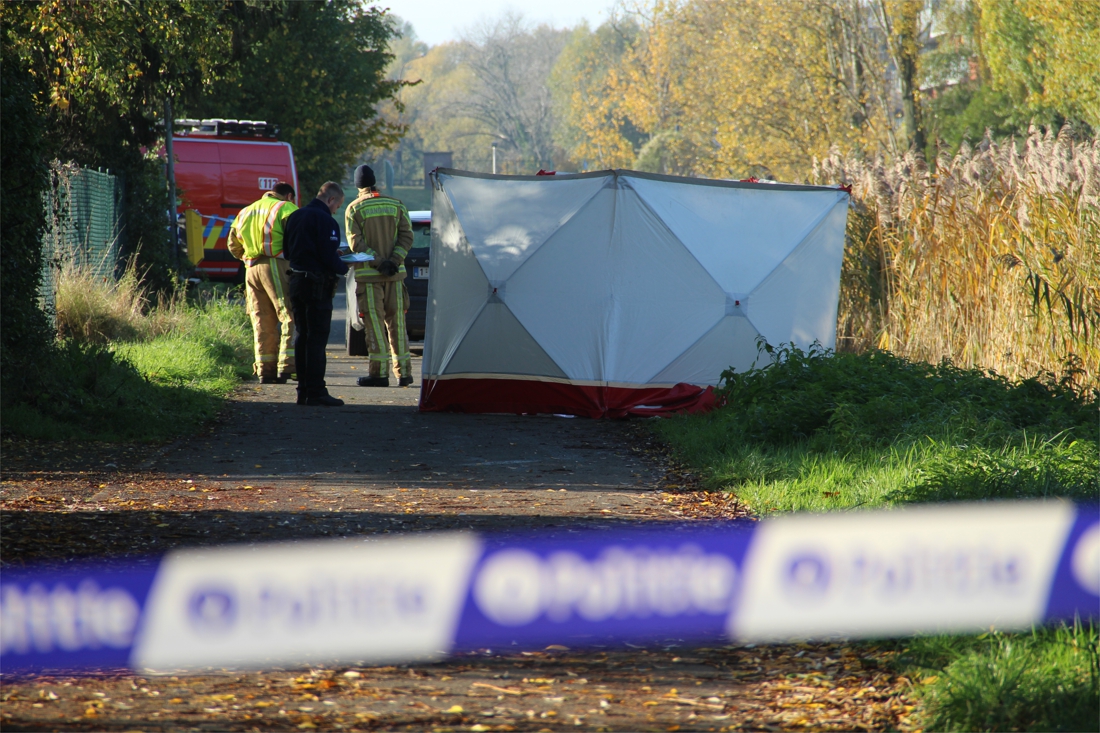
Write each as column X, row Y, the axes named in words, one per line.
column 876, row 398
column 24, row 329
column 815, row 431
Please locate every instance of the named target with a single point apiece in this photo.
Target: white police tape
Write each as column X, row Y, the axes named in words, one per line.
column 420, row 597
column 389, row 599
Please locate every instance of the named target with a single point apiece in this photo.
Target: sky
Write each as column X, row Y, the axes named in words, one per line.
column 438, row 21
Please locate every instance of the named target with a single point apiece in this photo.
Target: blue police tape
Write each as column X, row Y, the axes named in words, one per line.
column 418, row 597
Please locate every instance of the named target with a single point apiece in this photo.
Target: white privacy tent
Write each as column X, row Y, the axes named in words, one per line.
column 619, row 292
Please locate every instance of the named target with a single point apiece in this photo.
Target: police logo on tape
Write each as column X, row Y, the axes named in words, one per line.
column 516, row 587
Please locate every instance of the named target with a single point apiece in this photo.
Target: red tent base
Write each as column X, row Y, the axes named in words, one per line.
column 526, row 397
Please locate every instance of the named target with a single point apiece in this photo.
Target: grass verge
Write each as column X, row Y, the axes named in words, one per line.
column 159, row 386
column 1046, row 680
column 816, row 431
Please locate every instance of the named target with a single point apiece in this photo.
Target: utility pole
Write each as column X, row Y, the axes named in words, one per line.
column 494, row 158
column 173, row 227
column 388, row 177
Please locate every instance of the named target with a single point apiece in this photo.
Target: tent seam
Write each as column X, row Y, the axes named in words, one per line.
column 537, row 249
column 775, row 271
column 694, row 343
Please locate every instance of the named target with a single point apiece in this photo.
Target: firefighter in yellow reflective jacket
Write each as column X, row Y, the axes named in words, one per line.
column 379, row 226
column 257, row 238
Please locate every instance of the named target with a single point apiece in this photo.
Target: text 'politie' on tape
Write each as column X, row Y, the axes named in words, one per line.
column 372, row 600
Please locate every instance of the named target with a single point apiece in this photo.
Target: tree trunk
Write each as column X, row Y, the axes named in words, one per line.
column 901, row 21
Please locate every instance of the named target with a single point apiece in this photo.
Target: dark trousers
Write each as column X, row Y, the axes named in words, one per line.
column 313, row 319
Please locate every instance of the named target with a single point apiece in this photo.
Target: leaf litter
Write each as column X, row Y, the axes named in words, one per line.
column 123, row 510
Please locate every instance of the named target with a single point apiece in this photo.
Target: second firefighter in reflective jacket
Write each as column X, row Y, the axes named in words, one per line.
column 379, row 226
column 257, row 238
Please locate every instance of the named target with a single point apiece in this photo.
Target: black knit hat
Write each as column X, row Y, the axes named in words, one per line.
column 364, row 177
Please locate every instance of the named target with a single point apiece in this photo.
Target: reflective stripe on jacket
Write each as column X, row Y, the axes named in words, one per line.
column 379, row 226
column 258, row 230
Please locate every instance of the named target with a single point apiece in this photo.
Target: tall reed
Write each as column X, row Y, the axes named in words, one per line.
column 97, row 309
column 992, row 260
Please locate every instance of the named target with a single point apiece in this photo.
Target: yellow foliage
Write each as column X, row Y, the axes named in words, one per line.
column 783, row 83
column 444, row 81
column 726, row 88
column 1046, row 53
column 591, row 127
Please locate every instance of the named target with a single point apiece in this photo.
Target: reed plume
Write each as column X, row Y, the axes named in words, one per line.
column 992, row 260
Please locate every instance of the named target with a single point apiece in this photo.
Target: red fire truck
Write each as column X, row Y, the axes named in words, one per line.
column 221, row 166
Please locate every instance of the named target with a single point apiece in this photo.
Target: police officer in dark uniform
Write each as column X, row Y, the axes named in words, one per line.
column 311, row 239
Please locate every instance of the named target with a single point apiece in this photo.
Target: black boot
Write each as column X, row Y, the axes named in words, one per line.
column 373, row 381
column 325, row 400
column 405, row 381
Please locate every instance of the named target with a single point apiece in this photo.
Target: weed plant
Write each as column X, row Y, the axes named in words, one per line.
column 814, row 430
column 93, row 309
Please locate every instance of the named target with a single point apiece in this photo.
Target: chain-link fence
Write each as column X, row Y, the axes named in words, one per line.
column 83, row 225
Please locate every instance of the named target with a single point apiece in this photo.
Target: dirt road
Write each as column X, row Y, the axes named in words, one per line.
column 272, row 470
column 378, row 444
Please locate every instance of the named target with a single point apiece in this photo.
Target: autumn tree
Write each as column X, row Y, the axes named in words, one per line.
column 404, row 47
column 509, row 66
column 1044, row 56
column 493, row 86
column 626, row 105
column 100, row 73
column 786, row 82
column 900, row 21
column 440, row 81
column 721, row 88
column 593, row 125
column 736, row 88
column 405, row 155
column 317, row 69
